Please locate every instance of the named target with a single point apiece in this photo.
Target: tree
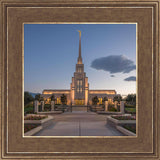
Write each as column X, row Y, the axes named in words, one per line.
column 37, row 97
column 95, row 100
column 131, row 98
column 105, row 99
column 117, row 98
column 41, row 99
column 52, row 97
column 63, row 99
column 27, row 98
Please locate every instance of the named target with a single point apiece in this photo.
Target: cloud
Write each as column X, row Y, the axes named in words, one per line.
column 112, row 75
column 131, row 78
column 114, row 64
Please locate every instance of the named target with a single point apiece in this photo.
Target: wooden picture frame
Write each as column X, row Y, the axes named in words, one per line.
column 14, row 13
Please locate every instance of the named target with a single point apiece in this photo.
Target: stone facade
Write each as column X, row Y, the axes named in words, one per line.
column 79, row 93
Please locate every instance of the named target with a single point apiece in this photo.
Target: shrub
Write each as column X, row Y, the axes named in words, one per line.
column 27, row 98
column 39, row 108
column 47, row 107
column 117, row 98
column 95, row 100
column 129, row 106
column 37, row 117
column 29, row 108
column 64, row 99
column 131, row 98
column 112, row 109
column 110, row 105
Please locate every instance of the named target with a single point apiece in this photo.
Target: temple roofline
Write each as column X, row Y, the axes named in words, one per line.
column 102, row 90
column 56, row 90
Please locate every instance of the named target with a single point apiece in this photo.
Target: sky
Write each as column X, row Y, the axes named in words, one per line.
column 108, row 53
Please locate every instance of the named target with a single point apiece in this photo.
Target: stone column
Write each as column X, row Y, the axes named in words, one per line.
column 122, row 107
column 115, row 104
column 42, row 104
column 106, row 106
column 52, row 105
column 36, row 106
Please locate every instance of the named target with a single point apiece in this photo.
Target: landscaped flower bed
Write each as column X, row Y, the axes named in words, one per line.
column 124, row 117
column 28, row 127
column 130, row 127
column 35, row 117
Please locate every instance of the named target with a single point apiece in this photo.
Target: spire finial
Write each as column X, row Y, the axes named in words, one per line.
column 79, row 57
column 79, row 32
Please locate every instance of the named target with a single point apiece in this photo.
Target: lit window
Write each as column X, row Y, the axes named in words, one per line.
column 79, row 70
column 78, row 83
column 58, row 101
column 81, row 82
column 100, row 100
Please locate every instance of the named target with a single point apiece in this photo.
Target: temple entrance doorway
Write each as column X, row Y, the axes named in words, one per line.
column 79, row 102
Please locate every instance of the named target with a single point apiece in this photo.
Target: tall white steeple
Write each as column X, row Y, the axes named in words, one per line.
column 79, row 57
column 79, row 85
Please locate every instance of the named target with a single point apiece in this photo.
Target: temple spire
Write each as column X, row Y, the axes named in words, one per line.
column 79, row 57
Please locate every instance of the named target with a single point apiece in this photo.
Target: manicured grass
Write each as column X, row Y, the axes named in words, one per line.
column 28, row 127
column 130, row 127
column 130, row 109
column 35, row 117
column 130, row 106
column 124, row 117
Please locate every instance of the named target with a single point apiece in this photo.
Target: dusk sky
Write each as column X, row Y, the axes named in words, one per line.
column 108, row 53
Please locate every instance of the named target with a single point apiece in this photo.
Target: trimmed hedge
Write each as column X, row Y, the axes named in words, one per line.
column 129, row 106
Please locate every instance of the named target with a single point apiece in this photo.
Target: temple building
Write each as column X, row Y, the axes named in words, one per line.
column 79, row 92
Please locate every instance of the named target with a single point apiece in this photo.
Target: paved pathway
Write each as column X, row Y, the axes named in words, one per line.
column 79, row 124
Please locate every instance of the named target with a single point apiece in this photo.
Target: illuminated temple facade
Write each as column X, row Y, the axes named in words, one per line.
column 79, row 92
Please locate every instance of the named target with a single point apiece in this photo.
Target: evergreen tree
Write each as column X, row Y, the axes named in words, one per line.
column 27, row 98
column 95, row 100
column 63, row 99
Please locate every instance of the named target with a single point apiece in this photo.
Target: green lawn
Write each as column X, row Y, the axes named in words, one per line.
column 130, row 109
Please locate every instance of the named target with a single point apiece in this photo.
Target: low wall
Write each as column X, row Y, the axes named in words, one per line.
column 109, row 113
column 43, row 123
column 116, row 122
column 33, row 131
column 50, row 112
column 125, row 131
column 119, row 123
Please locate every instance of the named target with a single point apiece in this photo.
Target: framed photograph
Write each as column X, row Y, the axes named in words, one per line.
column 79, row 110
column 80, row 79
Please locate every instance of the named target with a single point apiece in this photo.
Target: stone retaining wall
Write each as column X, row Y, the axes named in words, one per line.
column 43, row 124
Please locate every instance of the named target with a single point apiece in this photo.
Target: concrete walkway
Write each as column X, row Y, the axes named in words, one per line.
column 79, row 124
